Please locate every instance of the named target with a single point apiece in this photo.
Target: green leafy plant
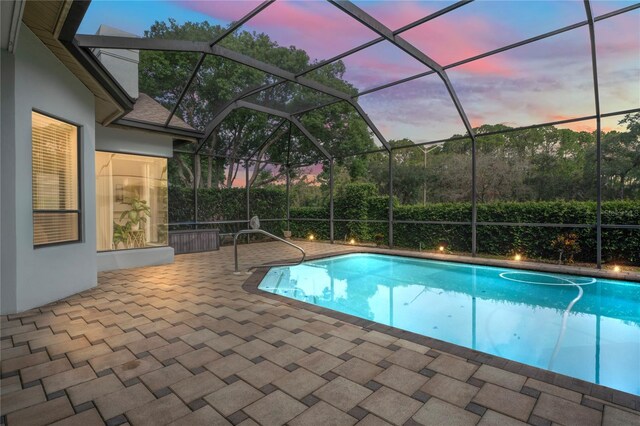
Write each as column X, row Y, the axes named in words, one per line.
column 137, row 213
column 120, row 234
column 379, row 239
column 567, row 246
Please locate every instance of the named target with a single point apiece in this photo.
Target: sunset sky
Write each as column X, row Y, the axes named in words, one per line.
column 540, row 82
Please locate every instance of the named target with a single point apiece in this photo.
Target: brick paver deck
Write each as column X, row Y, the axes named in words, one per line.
column 185, row 344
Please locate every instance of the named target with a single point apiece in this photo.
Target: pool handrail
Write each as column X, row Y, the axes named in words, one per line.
column 260, row 231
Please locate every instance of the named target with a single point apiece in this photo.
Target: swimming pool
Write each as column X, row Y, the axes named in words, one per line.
column 582, row 327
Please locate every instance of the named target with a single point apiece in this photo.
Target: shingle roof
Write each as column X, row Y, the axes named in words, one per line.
column 149, row 110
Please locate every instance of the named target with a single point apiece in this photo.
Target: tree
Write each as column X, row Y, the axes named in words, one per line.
column 621, row 160
column 219, row 80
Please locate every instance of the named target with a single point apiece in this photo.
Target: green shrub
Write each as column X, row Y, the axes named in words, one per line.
column 304, row 228
column 180, row 204
column 362, row 202
column 352, row 203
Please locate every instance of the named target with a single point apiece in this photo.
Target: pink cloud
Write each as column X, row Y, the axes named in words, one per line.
column 477, row 121
column 446, row 45
column 224, row 10
column 618, row 53
column 579, row 126
column 396, row 14
column 380, row 64
column 317, row 27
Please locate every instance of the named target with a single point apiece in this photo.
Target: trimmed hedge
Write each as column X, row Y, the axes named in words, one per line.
column 226, row 204
column 304, row 228
column 352, row 202
column 360, row 201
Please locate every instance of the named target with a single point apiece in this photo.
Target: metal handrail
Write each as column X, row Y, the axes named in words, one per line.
column 260, row 231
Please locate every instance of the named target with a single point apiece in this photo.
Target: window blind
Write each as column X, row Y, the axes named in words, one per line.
column 54, row 181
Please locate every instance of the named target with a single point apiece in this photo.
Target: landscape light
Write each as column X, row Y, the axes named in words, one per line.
column 311, row 237
column 616, row 268
column 441, row 248
column 517, row 257
column 352, row 241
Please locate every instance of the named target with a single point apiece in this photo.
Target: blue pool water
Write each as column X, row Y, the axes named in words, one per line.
column 578, row 326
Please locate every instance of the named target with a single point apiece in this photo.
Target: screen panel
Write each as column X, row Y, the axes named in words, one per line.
column 224, row 199
column 482, row 26
column 396, row 14
column 372, row 67
column 138, row 17
column 454, row 239
column 244, row 134
column 218, row 82
column 432, row 174
column 601, row 7
column 361, row 198
column 619, row 248
column 181, row 193
column 575, row 246
column 525, row 168
column 341, row 130
column 545, row 81
column 294, row 34
column 621, row 170
column 618, row 54
column 310, row 186
column 290, row 97
column 420, row 110
column 294, row 148
column 162, row 77
column 268, row 195
column 309, row 198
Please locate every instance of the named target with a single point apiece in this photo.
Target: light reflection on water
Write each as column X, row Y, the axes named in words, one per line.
column 594, row 336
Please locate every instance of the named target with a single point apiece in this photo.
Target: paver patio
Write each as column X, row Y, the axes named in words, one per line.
column 185, row 343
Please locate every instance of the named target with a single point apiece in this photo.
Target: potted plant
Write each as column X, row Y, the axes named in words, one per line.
column 120, row 234
column 137, row 213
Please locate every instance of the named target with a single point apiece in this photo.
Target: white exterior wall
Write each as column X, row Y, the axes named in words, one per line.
column 134, row 258
column 46, row 274
column 34, row 79
column 126, row 141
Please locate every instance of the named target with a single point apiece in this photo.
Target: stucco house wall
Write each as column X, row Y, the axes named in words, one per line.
column 37, row 276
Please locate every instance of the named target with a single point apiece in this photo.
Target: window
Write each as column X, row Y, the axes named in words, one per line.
column 55, row 181
column 132, row 201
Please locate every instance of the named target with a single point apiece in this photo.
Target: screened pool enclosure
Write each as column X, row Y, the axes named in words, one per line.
column 483, row 127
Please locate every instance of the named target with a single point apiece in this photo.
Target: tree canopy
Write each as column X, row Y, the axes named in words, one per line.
column 538, row 164
column 163, row 74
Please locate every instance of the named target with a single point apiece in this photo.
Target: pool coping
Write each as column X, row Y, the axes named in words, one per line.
column 629, row 276
column 581, row 386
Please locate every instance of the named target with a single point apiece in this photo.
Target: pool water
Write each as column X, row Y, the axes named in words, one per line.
column 582, row 327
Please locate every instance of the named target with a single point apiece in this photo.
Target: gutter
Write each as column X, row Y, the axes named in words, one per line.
column 16, row 19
